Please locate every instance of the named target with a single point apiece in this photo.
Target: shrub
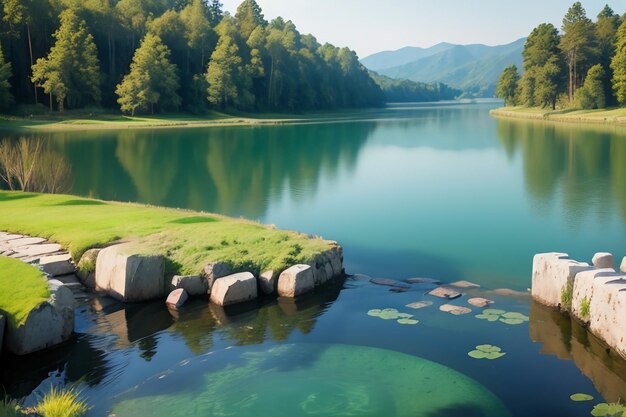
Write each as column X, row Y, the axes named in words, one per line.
column 61, row 402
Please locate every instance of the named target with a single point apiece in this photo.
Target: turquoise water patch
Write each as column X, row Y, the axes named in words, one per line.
column 315, row 380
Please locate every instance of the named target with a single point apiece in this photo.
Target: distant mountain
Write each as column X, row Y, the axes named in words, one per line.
column 472, row 68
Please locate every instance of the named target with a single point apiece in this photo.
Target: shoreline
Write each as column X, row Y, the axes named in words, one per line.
column 610, row 117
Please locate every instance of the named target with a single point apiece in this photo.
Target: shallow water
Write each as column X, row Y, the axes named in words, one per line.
column 443, row 191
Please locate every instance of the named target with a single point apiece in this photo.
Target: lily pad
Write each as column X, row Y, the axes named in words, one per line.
column 511, row 317
column 408, row 321
column 494, row 311
column 487, row 317
column 581, row 397
column 388, row 314
column 515, row 316
column 419, row 304
column 609, row 410
column 490, row 352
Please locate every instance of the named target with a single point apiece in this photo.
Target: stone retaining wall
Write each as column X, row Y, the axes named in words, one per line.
column 592, row 294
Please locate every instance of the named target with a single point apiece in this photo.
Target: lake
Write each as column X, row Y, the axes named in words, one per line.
column 442, row 191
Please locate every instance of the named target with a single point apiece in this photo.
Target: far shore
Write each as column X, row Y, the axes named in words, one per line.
column 612, row 116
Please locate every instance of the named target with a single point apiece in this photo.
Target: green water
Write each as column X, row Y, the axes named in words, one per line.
column 443, row 191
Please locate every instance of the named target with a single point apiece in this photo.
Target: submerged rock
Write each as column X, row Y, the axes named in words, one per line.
column 445, row 292
column 423, row 281
column 603, row 260
column 234, row 289
column 177, row 298
column 128, row 276
column 464, row 284
column 49, row 324
column 456, row 310
column 419, row 304
column 388, row 282
column 86, row 269
column 479, row 302
column 194, row 285
column 295, row 281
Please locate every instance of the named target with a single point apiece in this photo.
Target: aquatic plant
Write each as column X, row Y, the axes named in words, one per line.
column 10, row 408
column 585, row 306
column 392, row 314
column 581, row 397
column 61, row 402
column 510, row 317
column 609, row 410
column 486, row 352
column 567, row 294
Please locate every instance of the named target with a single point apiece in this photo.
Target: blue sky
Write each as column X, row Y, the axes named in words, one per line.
column 369, row 26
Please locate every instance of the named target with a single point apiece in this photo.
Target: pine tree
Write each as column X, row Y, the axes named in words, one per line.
column 71, row 70
column 152, row 80
column 547, row 82
column 6, row 99
column 215, row 12
column 541, row 45
column 618, row 65
column 198, row 32
column 591, row 94
column 249, row 15
column 507, row 85
column 223, row 72
column 606, row 31
column 578, row 43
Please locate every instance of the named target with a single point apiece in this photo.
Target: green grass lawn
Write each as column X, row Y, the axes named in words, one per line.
column 22, row 288
column 189, row 240
column 607, row 116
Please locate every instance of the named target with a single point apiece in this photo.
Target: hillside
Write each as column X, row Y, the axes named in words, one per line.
column 472, row 68
column 407, row 91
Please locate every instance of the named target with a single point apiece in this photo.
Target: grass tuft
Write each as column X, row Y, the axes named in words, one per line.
column 22, row 288
column 61, row 402
column 585, row 306
column 10, row 408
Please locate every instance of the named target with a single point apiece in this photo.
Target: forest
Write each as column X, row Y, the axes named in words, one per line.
column 147, row 56
column 402, row 90
column 581, row 66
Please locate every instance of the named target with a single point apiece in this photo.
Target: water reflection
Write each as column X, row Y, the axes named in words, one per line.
column 587, row 164
column 565, row 338
column 226, row 170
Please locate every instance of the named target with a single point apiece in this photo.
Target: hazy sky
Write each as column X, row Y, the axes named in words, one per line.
column 369, row 26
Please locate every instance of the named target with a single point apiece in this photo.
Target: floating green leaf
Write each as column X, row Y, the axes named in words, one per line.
column 581, row 397
column 486, row 352
column 609, row 410
column 388, row 314
column 492, row 314
column 408, row 321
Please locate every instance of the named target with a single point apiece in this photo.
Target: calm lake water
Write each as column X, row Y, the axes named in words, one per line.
column 443, row 191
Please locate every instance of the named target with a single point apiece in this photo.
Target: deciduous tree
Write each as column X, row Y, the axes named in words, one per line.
column 507, row 85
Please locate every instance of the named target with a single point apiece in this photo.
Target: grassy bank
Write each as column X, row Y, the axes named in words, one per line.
column 188, row 239
column 22, row 288
column 615, row 116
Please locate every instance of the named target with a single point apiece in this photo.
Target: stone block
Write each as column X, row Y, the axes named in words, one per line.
column 553, row 277
column 583, row 291
column 603, row 260
column 268, row 282
column 86, row 269
column 295, row 281
column 177, row 298
column 128, row 276
column 57, row 265
column 608, row 311
column 215, row 270
column 234, row 289
column 194, row 285
column 49, row 324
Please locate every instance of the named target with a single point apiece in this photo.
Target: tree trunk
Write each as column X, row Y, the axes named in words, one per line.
column 30, row 50
column 269, row 94
column 60, row 101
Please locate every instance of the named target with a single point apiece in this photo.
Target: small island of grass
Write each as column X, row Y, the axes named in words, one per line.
column 22, row 288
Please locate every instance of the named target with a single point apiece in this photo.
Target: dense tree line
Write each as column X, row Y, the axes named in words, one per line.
column 583, row 65
column 164, row 55
column 403, row 91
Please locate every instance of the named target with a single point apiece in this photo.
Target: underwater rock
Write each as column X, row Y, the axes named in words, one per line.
column 455, row 310
column 464, row 284
column 423, row 281
column 388, row 282
column 479, row 302
column 419, row 304
column 445, row 293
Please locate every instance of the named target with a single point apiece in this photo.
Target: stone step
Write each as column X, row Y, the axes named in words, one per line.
column 24, row 241
column 57, row 265
column 37, row 250
column 5, row 237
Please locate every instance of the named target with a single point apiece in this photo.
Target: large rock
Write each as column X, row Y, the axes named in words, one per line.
column 622, row 267
column 86, row 270
column 177, row 298
column 215, row 270
column 608, row 311
column 603, row 260
column 49, row 324
column 128, row 276
column 327, row 265
column 234, row 289
column 57, row 265
column 268, row 282
column 295, row 281
column 553, row 278
column 194, row 285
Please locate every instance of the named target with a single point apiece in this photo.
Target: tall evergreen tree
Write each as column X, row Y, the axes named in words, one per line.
column 223, row 73
column 542, row 44
column 215, row 12
column 591, row 94
column 152, row 80
column 199, row 36
column 618, row 65
column 6, row 99
column 547, row 82
column 507, row 85
column 606, row 31
column 249, row 15
column 578, row 44
column 71, row 70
